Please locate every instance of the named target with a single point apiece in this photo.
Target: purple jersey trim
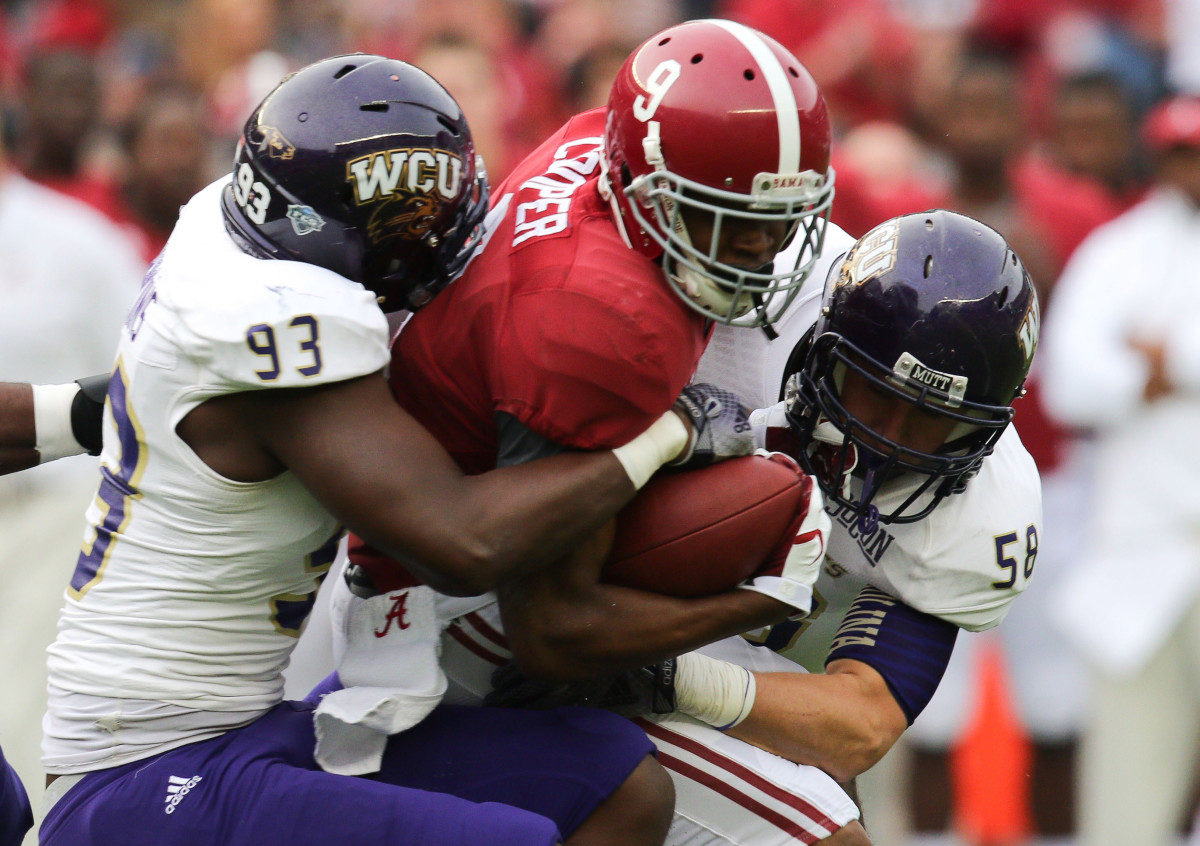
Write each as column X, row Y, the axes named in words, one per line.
column 908, row 648
column 16, row 817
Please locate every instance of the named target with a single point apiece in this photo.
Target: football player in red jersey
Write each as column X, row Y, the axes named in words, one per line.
column 610, row 253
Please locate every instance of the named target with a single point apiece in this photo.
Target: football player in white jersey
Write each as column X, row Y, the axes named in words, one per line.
column 246, row 420
column 897, row 381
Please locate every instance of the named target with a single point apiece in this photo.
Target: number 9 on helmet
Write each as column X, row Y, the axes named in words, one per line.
column 713, row 126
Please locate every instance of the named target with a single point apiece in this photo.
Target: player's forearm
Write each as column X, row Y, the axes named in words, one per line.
column 13, row 459
column 390, row 481
column 468, row 535
column 841, row 722
column 16, row 416
column 539, row 509
column 17, row 432
column 46, row 422
column 609, row 629
column 516, row 520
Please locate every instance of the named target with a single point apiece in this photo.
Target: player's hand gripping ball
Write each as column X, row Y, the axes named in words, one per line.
column 720, row 426
column 706, row 531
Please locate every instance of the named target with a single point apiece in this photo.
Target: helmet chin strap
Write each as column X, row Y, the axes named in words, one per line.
column 705, row 291
column 825, row 432
column 867, row 514
column 605, row 189
column 761, row 305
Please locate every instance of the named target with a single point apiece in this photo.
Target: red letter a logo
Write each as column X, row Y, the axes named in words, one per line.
column 396, row 614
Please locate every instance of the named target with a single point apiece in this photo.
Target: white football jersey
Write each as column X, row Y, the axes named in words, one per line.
column 964, row 563
column 192, row 589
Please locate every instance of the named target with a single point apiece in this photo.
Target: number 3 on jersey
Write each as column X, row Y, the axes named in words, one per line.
column 118, row 489
column 261, row 341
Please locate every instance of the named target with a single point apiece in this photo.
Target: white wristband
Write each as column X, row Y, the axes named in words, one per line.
column 663, row 441
column 713, row 691
column 52, row 421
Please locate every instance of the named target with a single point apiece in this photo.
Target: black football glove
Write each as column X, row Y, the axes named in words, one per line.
column 87, row 412
column 647, row 690
column 720, row 426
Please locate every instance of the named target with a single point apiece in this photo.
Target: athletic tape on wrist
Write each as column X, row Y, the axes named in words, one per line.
column 715, row 692
column 645, row 454
column 52, row 421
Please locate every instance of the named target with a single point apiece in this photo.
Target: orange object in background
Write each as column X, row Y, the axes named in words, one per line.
column 990, row 766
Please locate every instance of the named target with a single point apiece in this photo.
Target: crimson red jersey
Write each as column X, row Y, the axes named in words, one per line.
column 555, row 321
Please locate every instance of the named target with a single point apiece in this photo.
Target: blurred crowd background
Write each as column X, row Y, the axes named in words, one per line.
column 1030, row 115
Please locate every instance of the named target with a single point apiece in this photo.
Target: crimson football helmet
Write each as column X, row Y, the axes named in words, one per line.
column 713, row 117
column 934, row 309
column 365, row 166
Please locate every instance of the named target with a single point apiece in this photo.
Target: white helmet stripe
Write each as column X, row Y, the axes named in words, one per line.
column 786, row 110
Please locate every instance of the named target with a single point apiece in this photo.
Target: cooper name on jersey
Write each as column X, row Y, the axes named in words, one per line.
column 545, row 200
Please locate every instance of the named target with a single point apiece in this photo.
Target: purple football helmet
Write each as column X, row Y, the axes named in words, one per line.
column 936, row 310
column 365, row 166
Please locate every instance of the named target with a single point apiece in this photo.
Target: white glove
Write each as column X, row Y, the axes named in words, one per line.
column 720, row 426
column 790, row 573
column 764, row 419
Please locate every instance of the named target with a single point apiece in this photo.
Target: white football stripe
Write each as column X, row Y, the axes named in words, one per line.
column 786, row 110
column 468, row 629
column 733, row 781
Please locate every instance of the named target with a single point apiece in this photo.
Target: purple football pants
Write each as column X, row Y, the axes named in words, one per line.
column 16, row 817
column 464, row 775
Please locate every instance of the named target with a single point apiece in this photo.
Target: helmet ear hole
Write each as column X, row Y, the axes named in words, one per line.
column 626, row 176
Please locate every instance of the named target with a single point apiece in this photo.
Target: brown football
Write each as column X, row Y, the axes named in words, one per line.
column 699, row 532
